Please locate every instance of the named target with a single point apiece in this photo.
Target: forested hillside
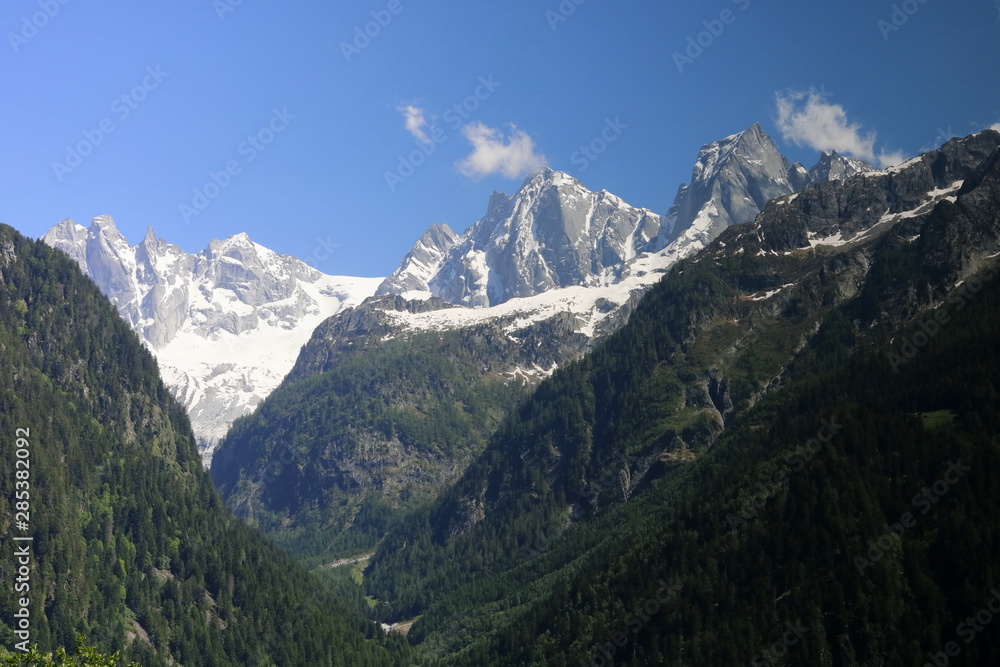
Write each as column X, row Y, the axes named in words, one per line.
column 859, row 513
column 371, row 424
column 728, row 457
column 132, row 547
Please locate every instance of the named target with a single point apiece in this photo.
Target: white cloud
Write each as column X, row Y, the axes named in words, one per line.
column 995, row 126
column 807, row 119
column 415, row 122
column 493, row 153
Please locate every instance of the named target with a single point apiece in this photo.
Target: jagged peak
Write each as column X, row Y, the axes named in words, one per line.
column 67, row 228
column 103, row 228
column 754, row 131
column 438, row 228
column 546, row 178
column 240, row 240
column 713, row 155
column 104, row 223
column 539, row 175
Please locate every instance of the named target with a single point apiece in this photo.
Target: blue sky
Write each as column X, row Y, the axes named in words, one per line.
column 204, row 118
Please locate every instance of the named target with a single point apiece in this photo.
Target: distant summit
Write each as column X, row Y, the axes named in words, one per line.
column 552, row 233
column 555, row 233
column 735, row 177
column 834, row 167
column 225, row 324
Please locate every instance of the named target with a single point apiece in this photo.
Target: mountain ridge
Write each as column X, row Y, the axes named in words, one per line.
column 548, row 330
column 827, row 282
column 225, row 324
column 124, row 539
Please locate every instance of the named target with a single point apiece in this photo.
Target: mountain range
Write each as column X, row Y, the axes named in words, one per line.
column 226, row 324
column 661, row 440
column 580, row 262
column 120, row 536
column 745, row 472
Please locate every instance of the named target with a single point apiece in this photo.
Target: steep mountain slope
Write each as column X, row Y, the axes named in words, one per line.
column 422, row 263
column 553, row 233
column 225, row 324
column 834, row 167
column 819, row 278
column 130, row 545
column 308, row 430
column 734, row 179
column 837, row 522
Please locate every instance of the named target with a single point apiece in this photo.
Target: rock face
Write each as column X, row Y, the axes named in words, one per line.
column 544, row 276
column 421, row 264
column 225, row 324
column 734, row 179
column 553, row 233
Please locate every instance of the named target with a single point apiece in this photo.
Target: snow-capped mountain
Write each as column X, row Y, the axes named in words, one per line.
column 834, row 167
column 734, row 179
column 225, row 325
column 422, row 263
column 553, row 233
column 555, row 244
column 731, row 182
column 556, row 250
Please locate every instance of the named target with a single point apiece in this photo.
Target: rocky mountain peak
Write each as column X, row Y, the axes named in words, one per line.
column 422, row 262
column 731, row 182
column 225, row 324
column 70, row 237
column 835, row 167
column 554, row 232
